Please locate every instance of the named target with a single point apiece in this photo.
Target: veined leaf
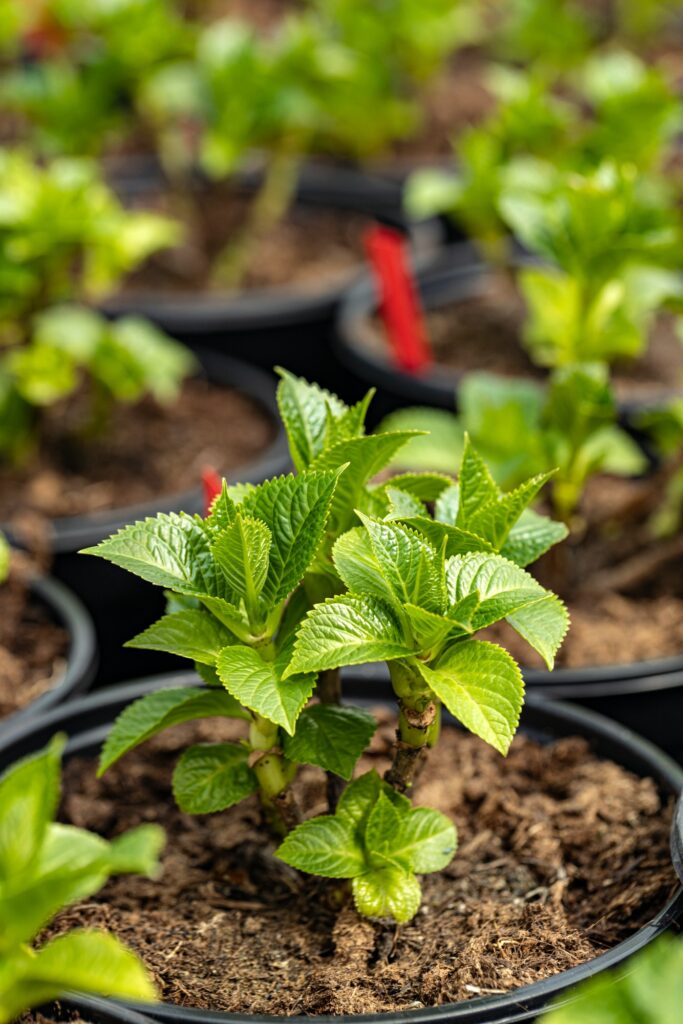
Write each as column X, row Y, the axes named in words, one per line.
column 423, row 486
column 242, row 551
column 457, row 540
column 531, row 536
column 411, row 567
column 543, row 625
column 259, row 686
column 194, row 634
column 305, row 409
column 155, row 712
column 211, row 777
column 428, row 840
column 295, row 509
column 402, row 505
column 358, row 567
column 429, row 629
column 325, row 846
column 29, row 794
column 223, row 510
column 495, row 521
column 330, row 736
column 481, row 685
column 387, row 892
column 347, row 630
column 477, row 487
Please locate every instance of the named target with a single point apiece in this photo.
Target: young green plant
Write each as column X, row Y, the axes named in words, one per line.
column 46, row 866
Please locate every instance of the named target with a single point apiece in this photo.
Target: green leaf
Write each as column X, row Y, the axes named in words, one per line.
column 364, row 458
column 403, row 505
column 331, row 736
column 387, row 892
column 194, row 634
column 382, row 831
column 412, row 568
column 437, row 450
column 347, row 630
column 543, row 625
column 242, row 551
column 358, row 567
column 531, row 536
column 295, row 509
column 155, row 712
column 211, row 777
column 477, row 487
column 422, row 486
column 495, row 521
column 170, row 550
column 137, row 851
column 502, row 587
column 428, row 840
column 223, row 511
column 429, row 630
column 482, row 686
column 29, row 794
column 82, row 961
column 358, row 799
column 259, row 686
column 325, row 846
column 305, row 409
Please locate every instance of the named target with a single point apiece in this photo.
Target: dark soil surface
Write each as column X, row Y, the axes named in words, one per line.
column 33, row 648
column 312, row 248
column 561, row 856
column 147, row 451
column 483, row 332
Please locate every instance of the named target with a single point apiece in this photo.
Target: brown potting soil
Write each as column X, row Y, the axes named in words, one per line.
column 33, row 648
column 312, row 247
column 147, row 450
column 483, row 332
column 561, row 856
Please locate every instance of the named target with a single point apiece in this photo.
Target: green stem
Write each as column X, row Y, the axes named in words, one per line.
column 274, row 774
column 329, row 692
column 268, row 207
column 419, row 726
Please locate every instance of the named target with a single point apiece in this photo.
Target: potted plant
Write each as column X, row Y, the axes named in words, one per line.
column 99, row 419
column 47, row 642
column 273, row 591
column 52, row 866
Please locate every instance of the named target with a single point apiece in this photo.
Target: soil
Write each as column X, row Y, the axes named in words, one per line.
column 147, row 450
column 312, row 247
column 483, row 332
column 33, row 648
column 561, row 856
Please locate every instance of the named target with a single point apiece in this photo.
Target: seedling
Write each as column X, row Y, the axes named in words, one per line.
column 284, row 583
column 4, row 558
column 523, row 428
column 44, row 867
column 64, row 237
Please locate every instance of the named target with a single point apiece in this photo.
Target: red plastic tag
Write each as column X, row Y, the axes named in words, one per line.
column 213, row 485
column 400, row 306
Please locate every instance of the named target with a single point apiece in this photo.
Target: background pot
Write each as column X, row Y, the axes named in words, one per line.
column 286, row 325
column 121, row 604
column 88, row 720
column 81, row 658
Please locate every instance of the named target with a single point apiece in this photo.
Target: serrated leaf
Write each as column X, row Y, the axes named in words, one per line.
column 29, row 794
column 358, row 799
column 325, row 846
column 477, row 487
column 423, row 486
column 364, row 457
column 447, row 505
column 403, row 505
column 357, row 566
column 428, row 840
column 387, row 892
column 170, row 550
column 193, row 633
column 259, row 686
column 411, row 567
column 457, row 540
column 211, row 777
column 330, row 736
column 305, row 409
column 295, row 509
column 155, row 712
column 223, row 510
column 347, row 630
column 495, row 521
column 428, row 629
column 482, row 686
column 531, row 536
column 382, row 829
column 242, row 551
column 543, row 625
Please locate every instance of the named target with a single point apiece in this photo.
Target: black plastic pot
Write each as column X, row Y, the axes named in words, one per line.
column 99, row 1011
column 121, row 604
column 87, row 721
column 287, row 325
column 81, row 659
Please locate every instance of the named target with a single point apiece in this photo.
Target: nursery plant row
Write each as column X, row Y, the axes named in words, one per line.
column 341, row 443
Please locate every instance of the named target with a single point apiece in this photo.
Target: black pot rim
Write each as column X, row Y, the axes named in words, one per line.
column 554, row 718
column 75, row 532
column 82, row 656
column 320, row 185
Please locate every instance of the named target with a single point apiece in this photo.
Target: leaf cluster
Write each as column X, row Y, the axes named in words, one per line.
column 380, row 841
column 45, row 866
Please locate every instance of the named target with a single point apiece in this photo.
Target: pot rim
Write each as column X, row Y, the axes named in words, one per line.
column 512, row 1008
column 71, row 533
column 82, row 654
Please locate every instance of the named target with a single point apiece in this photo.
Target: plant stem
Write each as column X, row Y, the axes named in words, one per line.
column 419, row 725
column 274, row 774
column 268, row 207
column 329, row 692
